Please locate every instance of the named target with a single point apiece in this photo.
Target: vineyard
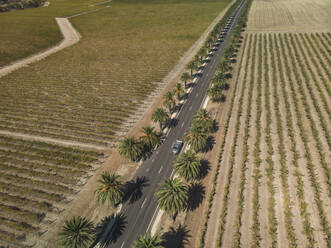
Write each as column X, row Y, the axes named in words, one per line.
column 37, row 181
column 88, row 92
column 274, row 181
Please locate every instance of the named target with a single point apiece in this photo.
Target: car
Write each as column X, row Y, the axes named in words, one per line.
column 177, row 146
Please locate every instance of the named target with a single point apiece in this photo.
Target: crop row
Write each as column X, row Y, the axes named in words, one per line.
column 310, row 69
column 310, row 165
column 290, row 129
column 270, row 170
column 284, row 173
column 324, row 124
column 243, row 166
column 227, row 187
column 37, row 179
column 320, row 53
column 256, row 237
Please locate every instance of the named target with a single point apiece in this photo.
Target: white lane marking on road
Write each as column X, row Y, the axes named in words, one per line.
column 190, row 108
column 122, row 244
column 153, row 160
column 143, row 203
column 147, row 169
column 160, row 169
column 197, row 94
column 150, row 223
column 183, row 123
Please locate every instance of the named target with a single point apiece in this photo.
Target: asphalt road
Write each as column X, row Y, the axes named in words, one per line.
column 140, row 214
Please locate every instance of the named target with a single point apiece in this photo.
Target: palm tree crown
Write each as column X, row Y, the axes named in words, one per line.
column 147, row 241
column 150, row 137
column 169, row 101
column 179, row 91
column 185, row 76
column 77, row 233
column 204, row 121
column 111, row 188
column 223, row 66
column 160, row 116
column 131, row 148
column 188, row 165
column 196, row 138
column 192, row 66
column 172, row 196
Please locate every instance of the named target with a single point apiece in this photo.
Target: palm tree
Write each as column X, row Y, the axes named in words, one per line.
column 202, row 52
column 223, row 66
column 192, row 66
column 185, row 76
column 197, row 60
column 150, row 137
column 196, row 138
column 111, row 188
column 219, row 77
column 188, row 166
column 131, row 148
column 204, row 121
column 160, row 116
column 179, row 91
column 169, row 101
column 202, row 115
column 172, row 196
column 215, row 93
column 209, row 42
column 147, row 241
column 77, row 233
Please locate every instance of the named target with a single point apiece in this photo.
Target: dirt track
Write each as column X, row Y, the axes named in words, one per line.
column 70, row 37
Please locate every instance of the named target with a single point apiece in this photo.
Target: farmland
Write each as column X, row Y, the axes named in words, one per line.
column 275, row 191
column 37, row 181
column 290, row 15
column 87, row 92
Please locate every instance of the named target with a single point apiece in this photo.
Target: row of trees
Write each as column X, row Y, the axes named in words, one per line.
column 173, row 194
column 81, row 232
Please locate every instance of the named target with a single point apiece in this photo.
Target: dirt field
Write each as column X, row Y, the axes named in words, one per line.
column 275, row 192
column 290, row 15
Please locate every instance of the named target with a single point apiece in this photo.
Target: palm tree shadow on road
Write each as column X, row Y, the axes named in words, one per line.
column 109, row 230
column 134, row 189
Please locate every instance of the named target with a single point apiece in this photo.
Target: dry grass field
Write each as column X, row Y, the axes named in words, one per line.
column 276, row 191
column 290, row 15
